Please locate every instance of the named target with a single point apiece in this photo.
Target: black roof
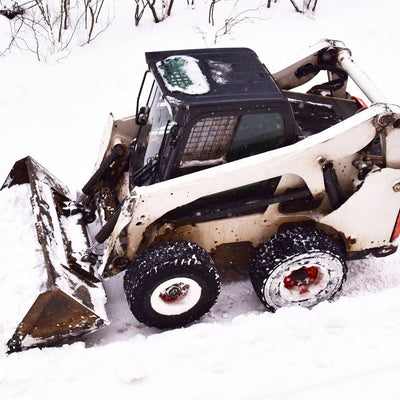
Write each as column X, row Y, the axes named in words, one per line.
column 233, row 74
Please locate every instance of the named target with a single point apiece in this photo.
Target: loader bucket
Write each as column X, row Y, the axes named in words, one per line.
column 72, row 300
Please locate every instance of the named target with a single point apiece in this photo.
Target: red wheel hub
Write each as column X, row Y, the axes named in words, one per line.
column 302, row 278
column 175, row 292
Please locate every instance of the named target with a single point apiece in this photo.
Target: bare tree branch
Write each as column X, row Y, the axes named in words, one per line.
column 45, row 28
column 295, row 6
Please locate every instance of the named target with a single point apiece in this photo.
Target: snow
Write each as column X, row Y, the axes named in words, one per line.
column 220, row 71
column 191, row 70
column 22, row 276
column 55, row 111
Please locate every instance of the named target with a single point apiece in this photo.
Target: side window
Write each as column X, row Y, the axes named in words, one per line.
column 209, row 139
column 257, row 133
column 218, row 139
column 160, row 121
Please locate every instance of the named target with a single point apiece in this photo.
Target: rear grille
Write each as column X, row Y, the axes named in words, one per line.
column 313, row 117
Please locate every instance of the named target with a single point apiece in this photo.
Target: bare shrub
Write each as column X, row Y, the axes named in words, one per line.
column 308, row 5
column 240, row 14
column 159, row 9
column 45, row 27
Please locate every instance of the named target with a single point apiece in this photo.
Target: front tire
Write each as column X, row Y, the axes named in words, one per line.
column 171, row 285
column 299, row 266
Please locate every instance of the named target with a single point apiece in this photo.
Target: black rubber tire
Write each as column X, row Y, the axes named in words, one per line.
column 288, row 251
column 160, row 264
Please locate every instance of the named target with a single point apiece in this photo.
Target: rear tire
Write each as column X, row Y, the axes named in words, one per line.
column 171, row 285
column 299, row 266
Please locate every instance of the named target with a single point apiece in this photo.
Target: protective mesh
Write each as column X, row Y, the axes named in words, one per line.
column 174, row 72
column 210, row 138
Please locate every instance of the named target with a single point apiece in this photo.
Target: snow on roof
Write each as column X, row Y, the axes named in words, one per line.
column 218, row 75
column 220, row 71
column 183, row 74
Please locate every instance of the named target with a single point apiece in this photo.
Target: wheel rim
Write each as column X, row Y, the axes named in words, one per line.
column 305, row 280
column 175, row 296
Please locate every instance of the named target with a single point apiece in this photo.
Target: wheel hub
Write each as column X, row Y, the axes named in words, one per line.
column 301, row 278
column 175, row 292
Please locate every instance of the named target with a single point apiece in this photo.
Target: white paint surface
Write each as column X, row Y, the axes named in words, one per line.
column 344, row 350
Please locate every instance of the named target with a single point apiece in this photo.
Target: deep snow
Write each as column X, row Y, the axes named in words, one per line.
column 55, row 111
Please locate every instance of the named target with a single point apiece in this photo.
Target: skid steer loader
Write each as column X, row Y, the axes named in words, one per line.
column 222, row 164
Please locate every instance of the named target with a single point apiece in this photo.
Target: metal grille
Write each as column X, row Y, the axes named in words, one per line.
column 210, row 138
column 174, row 72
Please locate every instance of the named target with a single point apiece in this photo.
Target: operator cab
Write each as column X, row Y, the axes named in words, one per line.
column 204, row 108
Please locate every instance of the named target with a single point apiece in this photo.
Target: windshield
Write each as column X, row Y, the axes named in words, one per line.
column 160, row 122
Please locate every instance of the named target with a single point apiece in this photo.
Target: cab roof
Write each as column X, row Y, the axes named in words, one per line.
column 218, row 75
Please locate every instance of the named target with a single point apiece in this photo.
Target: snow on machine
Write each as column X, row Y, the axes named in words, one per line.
column 222, row 164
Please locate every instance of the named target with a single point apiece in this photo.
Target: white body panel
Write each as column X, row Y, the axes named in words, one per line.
column 303, row 159
column 364, row 221
column 371, row 211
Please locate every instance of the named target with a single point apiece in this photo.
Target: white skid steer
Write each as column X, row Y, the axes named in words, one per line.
column 222, row 164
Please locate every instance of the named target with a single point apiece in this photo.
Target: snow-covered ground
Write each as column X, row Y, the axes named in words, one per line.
column 55, row 112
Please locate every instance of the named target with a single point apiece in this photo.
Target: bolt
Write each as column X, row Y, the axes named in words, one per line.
column 352, row 240
column 321, row 160
column 168, row 228
column 385, row 119
column 396, row 187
